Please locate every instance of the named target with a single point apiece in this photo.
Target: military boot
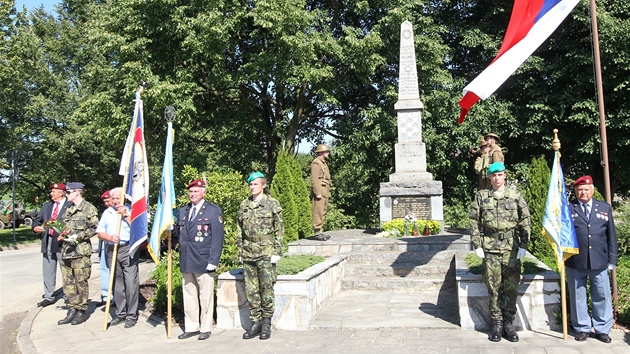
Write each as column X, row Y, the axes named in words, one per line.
column 509, row 332
column 254, row 331
column 69, row 317
column 497, row 331
column 80, row 317
column 265, row 332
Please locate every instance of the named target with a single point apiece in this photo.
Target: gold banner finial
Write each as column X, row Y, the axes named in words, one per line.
column 556, row 142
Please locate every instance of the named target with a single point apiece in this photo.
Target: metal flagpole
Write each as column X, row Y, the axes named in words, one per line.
column 169, row 114
column 602, row 128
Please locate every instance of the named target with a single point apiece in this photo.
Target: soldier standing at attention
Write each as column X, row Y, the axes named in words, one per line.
column 500, row 229
column 200, row 232
column 81, row 220
column 261, row 229
column 482, row 163
column 320, row 190
column 496, row 152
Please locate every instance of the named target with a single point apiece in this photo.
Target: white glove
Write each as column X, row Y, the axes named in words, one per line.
column 611, row 267
column 70, row 239
column 275, row 259
column 240, row 260
column 211, row 268
column 521, row 253
column 479, row 252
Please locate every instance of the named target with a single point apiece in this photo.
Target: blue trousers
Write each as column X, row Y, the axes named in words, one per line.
column 602, row 316
column 104, row 267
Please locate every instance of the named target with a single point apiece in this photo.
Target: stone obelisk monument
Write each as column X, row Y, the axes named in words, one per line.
column 411, row 189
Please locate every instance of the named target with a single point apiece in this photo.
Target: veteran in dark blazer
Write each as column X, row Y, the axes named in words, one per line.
column 51, row 246
column 200, row 232
column 597, row 241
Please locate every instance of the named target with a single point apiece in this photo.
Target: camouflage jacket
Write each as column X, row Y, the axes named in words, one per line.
column 81, row 220
column 504, row 222
column 260, row 229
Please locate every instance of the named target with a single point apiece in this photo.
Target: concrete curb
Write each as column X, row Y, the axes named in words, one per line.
column 24, row 341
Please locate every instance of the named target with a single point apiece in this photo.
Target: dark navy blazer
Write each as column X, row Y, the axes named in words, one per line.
column 44, row 215
column 200, row 239
column 596, row 238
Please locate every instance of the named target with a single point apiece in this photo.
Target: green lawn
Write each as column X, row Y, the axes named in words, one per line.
column 22, row 235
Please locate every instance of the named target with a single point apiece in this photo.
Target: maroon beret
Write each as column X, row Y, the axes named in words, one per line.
column 106, row 194
column 196, row 183
column 583, row 180
column 60, row 186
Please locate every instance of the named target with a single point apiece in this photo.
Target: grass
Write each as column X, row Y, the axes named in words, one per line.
column 291, row 265
column 528, row 265
column 23, row 235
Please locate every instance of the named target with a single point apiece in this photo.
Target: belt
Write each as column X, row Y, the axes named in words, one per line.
column 120, row 244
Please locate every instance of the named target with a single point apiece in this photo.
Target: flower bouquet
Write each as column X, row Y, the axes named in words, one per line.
column 56, row 225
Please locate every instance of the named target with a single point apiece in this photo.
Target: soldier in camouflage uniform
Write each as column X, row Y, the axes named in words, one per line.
column 500, row 229
column 80, row 220
column 261, row 229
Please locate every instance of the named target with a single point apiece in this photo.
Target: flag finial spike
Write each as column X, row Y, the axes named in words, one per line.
column 556, row 142
column 170, row 113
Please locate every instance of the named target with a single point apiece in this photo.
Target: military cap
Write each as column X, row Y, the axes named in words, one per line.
column 496, row 167
column 59, row 186
column 75, row 185
column 255, row 175
column 493, row 135
column 107, row 194
column 482, row 142
column 583, row 180
column 196, row 183
column 322, row 148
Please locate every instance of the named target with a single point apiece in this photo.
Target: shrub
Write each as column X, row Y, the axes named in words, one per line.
column 160, row 275
column 302, row 195
column 283, row 189
column 399, row 224
column 336, row 219
column 535, row 193
column 291, row 265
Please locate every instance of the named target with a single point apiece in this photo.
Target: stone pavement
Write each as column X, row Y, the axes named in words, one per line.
column 39, row 333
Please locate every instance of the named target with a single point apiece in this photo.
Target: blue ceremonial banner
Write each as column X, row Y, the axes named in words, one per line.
column 134, row 167
column 557, row 222
column 164, row 220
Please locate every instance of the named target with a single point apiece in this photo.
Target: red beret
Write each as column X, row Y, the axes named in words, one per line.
column 106, row 194
column 58, row 186
column 583, row 180
column 196, row 183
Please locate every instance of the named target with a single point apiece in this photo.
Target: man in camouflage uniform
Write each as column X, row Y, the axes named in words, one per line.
column 320, row 190
column 500, row 229
column 261, row 229
column 482, row 162
column 81, row 220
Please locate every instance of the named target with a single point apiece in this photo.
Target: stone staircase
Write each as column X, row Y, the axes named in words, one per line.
column 392, row 283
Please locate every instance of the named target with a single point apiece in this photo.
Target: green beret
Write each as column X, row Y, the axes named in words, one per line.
column 255, row 175
column 496, row 167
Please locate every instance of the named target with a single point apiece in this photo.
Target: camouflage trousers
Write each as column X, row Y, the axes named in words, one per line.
column 75, row 273
column 260, row 277
column 502, row 274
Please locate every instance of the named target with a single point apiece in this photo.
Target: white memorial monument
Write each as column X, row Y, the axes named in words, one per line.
column 411, row 189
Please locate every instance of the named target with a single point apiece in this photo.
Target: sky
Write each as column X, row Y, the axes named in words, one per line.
column 31, row 4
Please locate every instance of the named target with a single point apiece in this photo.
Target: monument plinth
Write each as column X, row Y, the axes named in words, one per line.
column 411, row 189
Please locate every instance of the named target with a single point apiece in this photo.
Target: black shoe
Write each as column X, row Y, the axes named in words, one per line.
column 581, row 336
column 509, row 332
column 497, row 331
column 254, row 331
column 321, row 237
column 68, row 318
column 117, row 321
column 187, row 335
column 44, row 303
column 100, row 303
column 602, row 337
column 80, row 318
column 265, row 331
column 204, row 335
column 130, row 323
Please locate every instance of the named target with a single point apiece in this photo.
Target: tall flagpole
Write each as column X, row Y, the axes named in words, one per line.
column 169, row 115
column 602, row 129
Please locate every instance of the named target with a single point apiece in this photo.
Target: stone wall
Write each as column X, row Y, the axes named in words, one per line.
column 298, row 297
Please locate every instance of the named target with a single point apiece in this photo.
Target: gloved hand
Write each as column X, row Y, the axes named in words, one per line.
column 240, row 260
column 521, row 253
column 211, row 268
column 275, row 259
column 611, row 267
column 71, row 239
column 479, row 252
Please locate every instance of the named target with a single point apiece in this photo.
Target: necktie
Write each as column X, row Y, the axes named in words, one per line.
column 54, row 216
column 193, row 213
column 586, row 211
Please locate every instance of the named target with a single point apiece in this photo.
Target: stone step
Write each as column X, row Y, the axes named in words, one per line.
column 400, row 284
column 377, row 309
column 415, row 258
column 396, row 270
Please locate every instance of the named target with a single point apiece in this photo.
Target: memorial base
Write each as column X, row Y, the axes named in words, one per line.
column 423, row 199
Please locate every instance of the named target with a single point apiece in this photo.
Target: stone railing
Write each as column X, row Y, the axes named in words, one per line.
column 298, row 297
column 538, row 303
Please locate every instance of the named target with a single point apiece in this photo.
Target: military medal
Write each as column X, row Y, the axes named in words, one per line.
column 199, row 236
column 205, row 229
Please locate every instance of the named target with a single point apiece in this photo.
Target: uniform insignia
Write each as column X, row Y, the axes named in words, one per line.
column 221, row 219
column 279, row 209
